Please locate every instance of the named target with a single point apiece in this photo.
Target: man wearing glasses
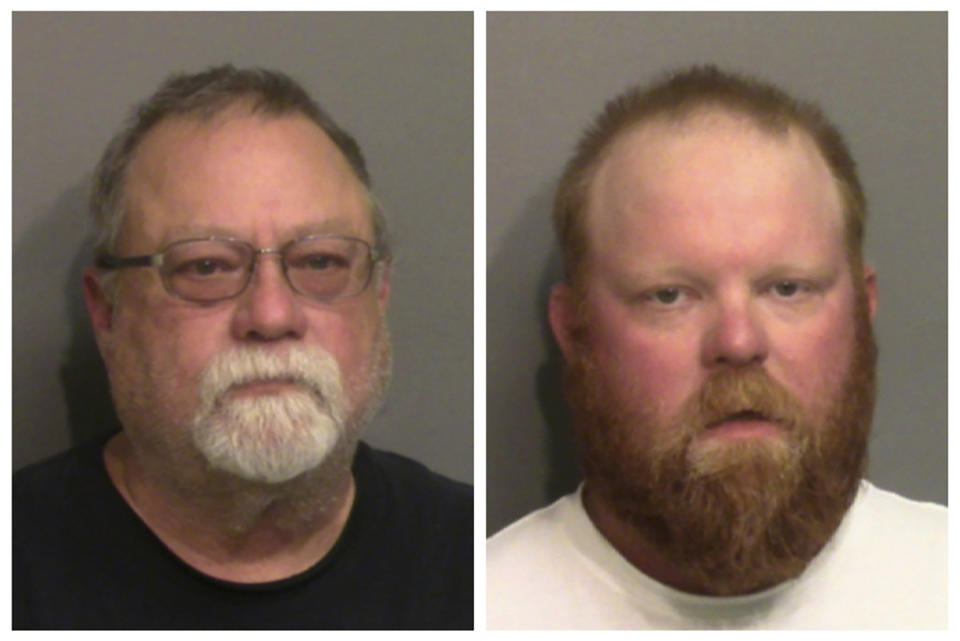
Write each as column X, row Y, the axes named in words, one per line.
column 238, row 299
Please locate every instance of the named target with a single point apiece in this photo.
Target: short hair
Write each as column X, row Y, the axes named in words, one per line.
column 203, row 96
column 676, row 96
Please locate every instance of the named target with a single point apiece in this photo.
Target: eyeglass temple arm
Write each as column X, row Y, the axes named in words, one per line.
column 107, row 261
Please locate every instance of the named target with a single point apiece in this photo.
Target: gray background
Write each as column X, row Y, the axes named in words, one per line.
column 402, row 84
column 882, row 78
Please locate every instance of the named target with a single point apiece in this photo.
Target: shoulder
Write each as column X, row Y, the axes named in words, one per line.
column 56, row 502
column 68, row 523
column 895, row 501
column 904, row 532
column 419, row 525
column 415, row 505
column 60, row 481
column 887, row 563
column 922, row 525
column 530, row 534
column 409, row 481
column 529, row 549
column 540, row 569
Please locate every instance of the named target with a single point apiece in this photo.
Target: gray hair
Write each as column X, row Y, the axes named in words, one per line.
column 205, row 95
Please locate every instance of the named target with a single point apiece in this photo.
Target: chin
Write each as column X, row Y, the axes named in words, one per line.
column 268, row 439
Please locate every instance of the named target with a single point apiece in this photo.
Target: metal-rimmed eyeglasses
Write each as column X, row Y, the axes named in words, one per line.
column 207, row 270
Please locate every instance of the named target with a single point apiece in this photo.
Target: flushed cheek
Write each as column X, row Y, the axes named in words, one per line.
column 658, row 370
column 813, row 364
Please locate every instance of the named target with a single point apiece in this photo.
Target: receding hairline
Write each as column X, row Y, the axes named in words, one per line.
column 676, row 94
column 701, row 119
column 204, row 94
column 205, row 121
column 575, row 230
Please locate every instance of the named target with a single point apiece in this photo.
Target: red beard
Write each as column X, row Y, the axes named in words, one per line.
column 733, row 517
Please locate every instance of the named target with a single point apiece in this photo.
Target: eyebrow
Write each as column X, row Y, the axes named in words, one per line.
column 185, row 232
column 670, row 272
column 819, row 272
column 328, row 226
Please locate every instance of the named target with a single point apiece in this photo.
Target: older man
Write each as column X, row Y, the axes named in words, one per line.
column 238, row 300
column 716, row 323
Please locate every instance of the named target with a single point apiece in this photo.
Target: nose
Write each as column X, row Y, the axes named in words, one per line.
column 268, row 309
column 736, row 336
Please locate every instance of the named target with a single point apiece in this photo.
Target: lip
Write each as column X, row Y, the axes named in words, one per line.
column 740, row 427
column 267, row 386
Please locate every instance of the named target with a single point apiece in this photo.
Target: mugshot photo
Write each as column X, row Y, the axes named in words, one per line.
column 243, row 362
column 717, row 325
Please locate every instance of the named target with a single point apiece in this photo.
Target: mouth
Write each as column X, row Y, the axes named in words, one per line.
column 264, row 386
column 743, row 424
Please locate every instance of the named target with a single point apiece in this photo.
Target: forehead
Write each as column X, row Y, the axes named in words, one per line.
column 699, row 176
column 243, row 173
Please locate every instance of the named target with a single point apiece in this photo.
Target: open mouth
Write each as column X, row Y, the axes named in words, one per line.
column 740, row 417
column 745, row 423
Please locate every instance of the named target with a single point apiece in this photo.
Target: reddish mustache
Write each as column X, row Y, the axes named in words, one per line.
column 745, row 394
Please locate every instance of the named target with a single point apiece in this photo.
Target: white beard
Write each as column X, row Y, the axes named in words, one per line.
column 272, row 437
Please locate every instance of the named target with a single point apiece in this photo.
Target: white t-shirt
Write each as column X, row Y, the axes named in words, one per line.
column 885, row 568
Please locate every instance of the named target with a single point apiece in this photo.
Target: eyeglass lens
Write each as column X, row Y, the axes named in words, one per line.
column 321, row 268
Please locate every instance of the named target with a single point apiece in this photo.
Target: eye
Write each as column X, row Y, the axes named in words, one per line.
column 322, row 262
column 205, row 267
column 789, row 288
column 666, row 297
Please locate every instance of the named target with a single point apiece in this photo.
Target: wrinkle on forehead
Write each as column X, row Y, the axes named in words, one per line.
column 328, row 227
column 192, row 173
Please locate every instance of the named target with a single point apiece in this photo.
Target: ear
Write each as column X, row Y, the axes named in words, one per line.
column 99, row 305
column 870, row 286
column 562, row 314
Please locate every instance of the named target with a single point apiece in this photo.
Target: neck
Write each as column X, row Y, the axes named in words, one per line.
column 232, row 529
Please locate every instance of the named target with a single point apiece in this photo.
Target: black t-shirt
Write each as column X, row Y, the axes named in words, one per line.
column 82, row 559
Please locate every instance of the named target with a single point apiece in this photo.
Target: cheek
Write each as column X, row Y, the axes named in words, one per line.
column 168, row 347
column 173, row 341
column 658, row 368
column 813, row 362
column 349, row 335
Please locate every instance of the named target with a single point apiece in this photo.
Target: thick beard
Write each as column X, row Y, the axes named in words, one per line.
column 269, row 438
column 274, row 438
column 733, row 517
